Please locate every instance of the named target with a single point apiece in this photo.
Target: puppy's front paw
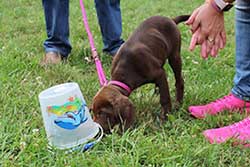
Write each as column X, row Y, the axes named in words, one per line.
column 163, row 117
column 177, row 105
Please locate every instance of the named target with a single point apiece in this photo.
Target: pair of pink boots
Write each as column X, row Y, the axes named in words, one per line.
column 239, row 131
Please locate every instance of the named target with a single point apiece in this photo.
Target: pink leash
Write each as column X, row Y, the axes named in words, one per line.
column 102, row 78
column 100, row 72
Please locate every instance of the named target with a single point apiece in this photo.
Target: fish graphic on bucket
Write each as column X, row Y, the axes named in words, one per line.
column 69, row 115
column 66, row 116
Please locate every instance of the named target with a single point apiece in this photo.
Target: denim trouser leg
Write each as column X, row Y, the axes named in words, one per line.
column 110, row 21
column 57, row 25
column 242, row 77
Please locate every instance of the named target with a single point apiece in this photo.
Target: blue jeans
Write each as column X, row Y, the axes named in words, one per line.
column 241, row 87
column 57, row 25
column 110, row 21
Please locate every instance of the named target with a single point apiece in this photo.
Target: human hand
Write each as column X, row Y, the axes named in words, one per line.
column 207, row 26
column 209, row 46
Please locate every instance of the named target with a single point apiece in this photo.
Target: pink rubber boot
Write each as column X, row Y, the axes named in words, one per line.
column 239, row 131
column 229, row 102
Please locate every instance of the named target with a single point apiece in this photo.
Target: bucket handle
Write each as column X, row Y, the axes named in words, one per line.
column 88, row 145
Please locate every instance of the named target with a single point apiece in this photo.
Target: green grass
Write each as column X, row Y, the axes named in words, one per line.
column 178, row 142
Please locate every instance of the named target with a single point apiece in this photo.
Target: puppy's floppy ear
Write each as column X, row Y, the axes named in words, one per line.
column 126, row 113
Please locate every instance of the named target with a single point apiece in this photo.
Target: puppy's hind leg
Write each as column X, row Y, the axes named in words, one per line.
column 176, row 65
column 165, row 99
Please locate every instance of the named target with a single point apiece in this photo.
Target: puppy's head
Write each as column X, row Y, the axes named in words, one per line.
column 110, row 108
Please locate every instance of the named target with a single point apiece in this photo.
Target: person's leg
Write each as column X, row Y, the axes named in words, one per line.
column 239, row 131
column 57, row 26
column 110, row 21
column 238, row 99
column 241, row 87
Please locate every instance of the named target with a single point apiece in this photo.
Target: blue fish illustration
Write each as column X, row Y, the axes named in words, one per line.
column 71, row 120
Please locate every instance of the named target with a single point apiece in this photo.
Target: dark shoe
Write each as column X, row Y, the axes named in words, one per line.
column 51, row 58
column 112, row 54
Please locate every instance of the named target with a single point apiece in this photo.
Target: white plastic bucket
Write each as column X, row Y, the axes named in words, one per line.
column 66, row 116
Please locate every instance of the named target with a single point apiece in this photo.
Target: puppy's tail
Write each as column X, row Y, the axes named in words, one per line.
column 181, row 18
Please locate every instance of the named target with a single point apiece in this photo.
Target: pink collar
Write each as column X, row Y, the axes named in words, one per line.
column 122, row 85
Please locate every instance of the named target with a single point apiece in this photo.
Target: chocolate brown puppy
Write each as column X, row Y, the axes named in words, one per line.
column 139, row 61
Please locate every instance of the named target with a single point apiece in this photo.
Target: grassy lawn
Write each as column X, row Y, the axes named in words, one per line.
column 178, row 142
